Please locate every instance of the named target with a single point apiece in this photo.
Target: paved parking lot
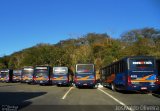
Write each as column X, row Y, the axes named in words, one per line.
column 36, row 97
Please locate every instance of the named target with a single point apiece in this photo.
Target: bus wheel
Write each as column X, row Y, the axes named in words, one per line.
column 113, row 87
column 103, row 85
column 94, row 87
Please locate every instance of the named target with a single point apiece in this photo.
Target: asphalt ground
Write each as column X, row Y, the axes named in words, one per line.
column 27, row 97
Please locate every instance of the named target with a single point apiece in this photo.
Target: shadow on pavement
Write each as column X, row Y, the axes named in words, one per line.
column 86, row 87
column 156, row 94
column 63, row 85
column 70, row 108
column 17, row 99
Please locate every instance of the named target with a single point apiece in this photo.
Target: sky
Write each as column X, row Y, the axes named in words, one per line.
column 25, row 23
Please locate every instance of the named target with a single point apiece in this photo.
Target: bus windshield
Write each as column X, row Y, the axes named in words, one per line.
column 3, row 74
column 60, row 70
column 17, row 73
column 85, row 68
column 141, row 63
column 27, row 72
column 41, row 72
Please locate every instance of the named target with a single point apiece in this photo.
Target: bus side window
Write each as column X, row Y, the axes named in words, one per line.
column 119, row 67
column 106, row 70
column 158, row 67
column 123, row 66
column 116, row 68
column 112, row 69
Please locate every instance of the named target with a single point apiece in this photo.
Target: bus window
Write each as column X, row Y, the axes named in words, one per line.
column 3, row 74
column 17, row 72
column 119, row 67
column 85, row 68
column 41, row 72
column 60, row 70
column 27, row 72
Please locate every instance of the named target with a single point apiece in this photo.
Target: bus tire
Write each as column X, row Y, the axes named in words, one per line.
column 103, row 84
column 94, row 87
column 113, row 87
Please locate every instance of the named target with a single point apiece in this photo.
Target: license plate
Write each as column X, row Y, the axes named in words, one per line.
column 85, row 84
column 143, row 88
column 41, row 81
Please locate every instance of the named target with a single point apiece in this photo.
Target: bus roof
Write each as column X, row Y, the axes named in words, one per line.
column 139, row 57
column 84, row 64
column 27, row 67
column 42, row 66
column 60, row 67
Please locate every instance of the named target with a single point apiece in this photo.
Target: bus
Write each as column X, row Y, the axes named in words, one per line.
column 62, row 76
column 27, row 74
column 134, row 73
column 42, row 75
column 85, row 75
column 17, row 75
column 158, row 67
column 6, row 75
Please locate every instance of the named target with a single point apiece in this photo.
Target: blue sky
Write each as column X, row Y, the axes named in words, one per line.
column 25, row 23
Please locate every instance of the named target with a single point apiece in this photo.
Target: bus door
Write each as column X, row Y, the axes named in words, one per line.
column 85, row 75
column 142, row 74
column 60, row 76
column 42, row 75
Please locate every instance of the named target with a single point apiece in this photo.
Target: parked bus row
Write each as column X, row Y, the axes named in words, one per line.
column 136, row 73
column 42, row 75
column 45, row 75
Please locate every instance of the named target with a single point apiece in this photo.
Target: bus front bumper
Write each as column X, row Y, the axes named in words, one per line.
column 60, row 82
column 4, row 80
column 41, row 81
column 16, row 80
column 143, row 88
column 85, row 83
column 27, row 81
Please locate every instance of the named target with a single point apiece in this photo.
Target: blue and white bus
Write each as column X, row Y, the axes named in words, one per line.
column 27, row 74
column 131, row 73
column 6, row 75
column 62, row 76
column 85, row 75
column 17, row 74
column 42, row 75
column 158, row 67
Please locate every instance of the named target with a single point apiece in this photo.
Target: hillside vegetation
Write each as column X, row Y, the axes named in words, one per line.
column 100, row 49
